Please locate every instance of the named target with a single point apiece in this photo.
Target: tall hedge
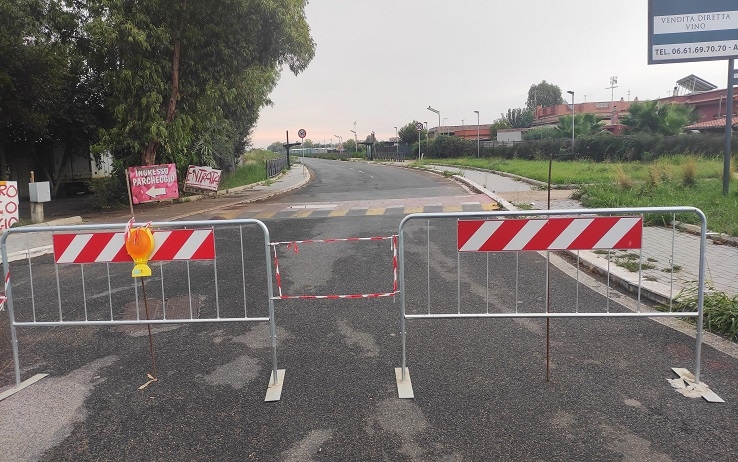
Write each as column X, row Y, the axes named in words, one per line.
column 611, row 148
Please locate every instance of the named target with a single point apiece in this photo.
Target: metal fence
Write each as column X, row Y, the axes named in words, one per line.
column 94, row 285
column 275, row 166
column 613, row 236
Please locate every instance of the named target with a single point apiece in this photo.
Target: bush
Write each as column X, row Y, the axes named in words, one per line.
column 605, row 147
column 540, row 133
column 446, row 147
column 109, row 192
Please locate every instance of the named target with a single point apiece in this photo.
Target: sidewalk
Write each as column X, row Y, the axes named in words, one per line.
column 22, row 245
column 721, row 270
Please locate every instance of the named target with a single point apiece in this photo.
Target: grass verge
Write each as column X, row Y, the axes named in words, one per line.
column 252, row 171
column 669, row 181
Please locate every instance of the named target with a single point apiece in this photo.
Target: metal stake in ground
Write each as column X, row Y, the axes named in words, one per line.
column 152, row 377
column 140, row 246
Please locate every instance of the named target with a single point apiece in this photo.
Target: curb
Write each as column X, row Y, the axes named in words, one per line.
column 298, row 185
column 42, row 250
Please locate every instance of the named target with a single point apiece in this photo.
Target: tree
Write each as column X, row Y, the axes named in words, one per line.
column 498, row 124
column 662, row 119
column 518, row 118
column 584, row 125
column 543, row 94
column 350, row 145
column 50, row 95
column 409, row 133
column 277, row 147
column 181, row 75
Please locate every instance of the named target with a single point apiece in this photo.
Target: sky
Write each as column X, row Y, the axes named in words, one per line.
column 381, row 63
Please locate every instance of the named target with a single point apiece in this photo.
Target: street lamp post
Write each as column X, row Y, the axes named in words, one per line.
column 356, row 140
column 426, row 135
column 340, row 144
column 397, row 143
column 439, row 118
column 477, row 113
column 572, row 121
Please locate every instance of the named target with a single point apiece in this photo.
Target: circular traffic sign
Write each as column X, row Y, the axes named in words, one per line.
column 302, row 133
column 419, row 126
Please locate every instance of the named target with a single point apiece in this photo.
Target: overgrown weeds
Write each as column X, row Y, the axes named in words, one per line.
column 720, row 310
column 622, row 179
column 689, row 171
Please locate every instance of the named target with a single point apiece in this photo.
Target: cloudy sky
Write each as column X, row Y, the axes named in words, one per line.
column 381, row 63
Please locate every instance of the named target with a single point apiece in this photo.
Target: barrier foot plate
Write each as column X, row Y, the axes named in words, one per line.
column 26, row 383
column 404, row 387
column 686, row 385
column 274, row 391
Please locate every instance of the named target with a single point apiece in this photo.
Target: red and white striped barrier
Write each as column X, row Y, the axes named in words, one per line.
column 180, row 244
column 3, row 297
column 294, row 246
column 550, row 234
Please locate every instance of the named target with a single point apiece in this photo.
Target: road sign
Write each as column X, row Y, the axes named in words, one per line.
column 153, row 183
column 202, row 178
column 688, row 30
column 419, row 126
column 302, row 133
column 550, row 234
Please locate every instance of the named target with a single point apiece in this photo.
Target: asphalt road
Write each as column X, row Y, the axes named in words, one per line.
column 480, row 385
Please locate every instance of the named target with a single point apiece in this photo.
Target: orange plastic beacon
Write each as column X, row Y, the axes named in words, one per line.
column 140, row 246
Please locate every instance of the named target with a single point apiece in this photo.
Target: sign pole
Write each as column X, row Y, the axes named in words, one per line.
column 288, row 149
column 728, row 127
column 128, row 188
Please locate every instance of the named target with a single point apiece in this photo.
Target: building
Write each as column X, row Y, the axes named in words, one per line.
column 708, row 105
column 604, row 111
column 508, row 136
column 468, row 132
column 712, row 126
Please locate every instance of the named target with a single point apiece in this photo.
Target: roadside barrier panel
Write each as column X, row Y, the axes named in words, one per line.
column 613, row 240
column 210, row 271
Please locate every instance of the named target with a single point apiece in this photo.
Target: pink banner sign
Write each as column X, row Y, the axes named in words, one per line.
column 8, row 204
column 153, row 183
column 202, row 178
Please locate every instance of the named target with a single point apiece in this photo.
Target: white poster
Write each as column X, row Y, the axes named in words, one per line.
column 8, row 204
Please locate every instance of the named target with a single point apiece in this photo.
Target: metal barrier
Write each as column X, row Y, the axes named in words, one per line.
column 616, row 233
column 93, row 288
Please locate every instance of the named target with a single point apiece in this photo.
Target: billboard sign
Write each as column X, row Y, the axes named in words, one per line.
column 8, row 204
column 202, row 178
column 153, row 183
column 689, row 30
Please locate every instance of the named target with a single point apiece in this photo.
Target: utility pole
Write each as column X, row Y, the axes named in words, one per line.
column 612, row 87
